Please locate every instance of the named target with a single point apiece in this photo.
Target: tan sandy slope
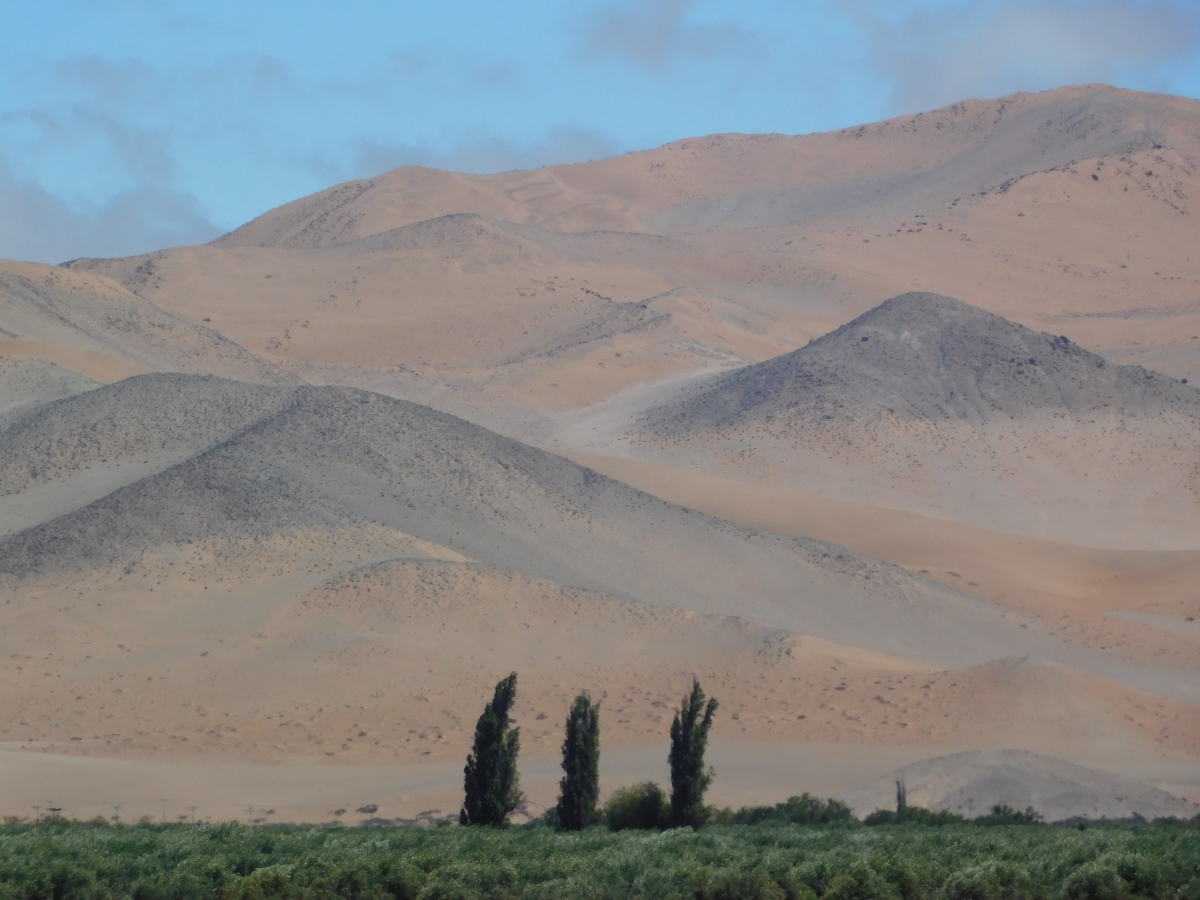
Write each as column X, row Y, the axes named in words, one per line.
column 104, row 333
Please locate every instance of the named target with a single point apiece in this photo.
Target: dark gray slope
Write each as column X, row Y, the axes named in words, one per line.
column 29, row 381
column 135, row 419
column 335, row 455
column 927, row 357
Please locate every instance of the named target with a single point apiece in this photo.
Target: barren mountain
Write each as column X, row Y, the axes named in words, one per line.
column 931, row 405
column 331, row 458
column 369, row 566
column 260, row 569
column 719, row 181
column 1068, row 211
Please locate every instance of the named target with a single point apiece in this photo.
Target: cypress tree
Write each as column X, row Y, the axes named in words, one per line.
column 689, row 778
column 580, row 785
column 490, row 777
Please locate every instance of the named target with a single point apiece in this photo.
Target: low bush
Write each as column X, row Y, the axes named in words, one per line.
column 643, row 806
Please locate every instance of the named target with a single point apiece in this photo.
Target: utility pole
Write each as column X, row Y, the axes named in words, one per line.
column 193, row 809
column 164, row 803
column 117, row 813
column 37, row 813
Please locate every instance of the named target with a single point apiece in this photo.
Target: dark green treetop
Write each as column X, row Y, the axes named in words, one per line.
column 689, row 777
column 490, row 778
column 580, row 785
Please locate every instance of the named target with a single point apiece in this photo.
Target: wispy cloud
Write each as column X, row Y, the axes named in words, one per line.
column 942, row 53
column 653, row 33
column 37, row 226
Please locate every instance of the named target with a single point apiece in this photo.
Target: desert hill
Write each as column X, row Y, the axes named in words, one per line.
column 331, row 458
column 28, row 380
column 970, row 783
column 1067, row 211
column 931, row 405
column 369, row 565
column 713, row 182
column 248, row 567
column 99, row 329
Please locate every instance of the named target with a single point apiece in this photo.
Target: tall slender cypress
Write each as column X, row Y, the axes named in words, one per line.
column 580, row 785
column 689, row 739
column 490, row 777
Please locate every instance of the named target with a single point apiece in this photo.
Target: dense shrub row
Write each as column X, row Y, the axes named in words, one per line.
column 63, row 861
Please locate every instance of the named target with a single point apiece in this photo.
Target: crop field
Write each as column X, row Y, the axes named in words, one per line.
column 62, row 860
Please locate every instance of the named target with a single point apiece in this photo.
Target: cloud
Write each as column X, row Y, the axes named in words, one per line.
column 987, row 48
column 652, row 33
column 485, row 154
column 37, row 226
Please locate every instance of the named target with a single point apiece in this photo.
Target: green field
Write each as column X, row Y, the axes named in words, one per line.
column 60, row 860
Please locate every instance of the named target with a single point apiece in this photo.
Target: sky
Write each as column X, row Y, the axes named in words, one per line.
column 130, row 125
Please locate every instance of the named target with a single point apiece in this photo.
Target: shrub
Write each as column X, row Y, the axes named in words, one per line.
column 802, row 810
column 1097, row 880
column 913, row 815
column 641, row 806
column 1006, row 815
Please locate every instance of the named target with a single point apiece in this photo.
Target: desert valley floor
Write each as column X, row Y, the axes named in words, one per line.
column 890, row 435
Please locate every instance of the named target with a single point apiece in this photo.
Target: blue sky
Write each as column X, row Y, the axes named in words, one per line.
column 127, row 125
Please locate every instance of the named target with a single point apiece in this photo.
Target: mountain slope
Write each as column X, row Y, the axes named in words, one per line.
column 1068, row 211
column 338, row 458
column 68, row 316
column 715, row 181
column 928, row 404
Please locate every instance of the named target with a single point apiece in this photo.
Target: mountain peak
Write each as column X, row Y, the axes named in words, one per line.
column 925, row 356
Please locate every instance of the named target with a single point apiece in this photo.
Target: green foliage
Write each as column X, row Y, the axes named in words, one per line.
column 81, row 861
column 913, row 815
column 580, row 785
column 689, row 778
column 1006, row 815
column 803, row 810
column 643, row 806
column 490, row 778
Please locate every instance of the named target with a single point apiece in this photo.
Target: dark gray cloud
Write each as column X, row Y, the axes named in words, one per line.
column 485, row 154
column 985, row 48
column 653, row 33
column 36, row 226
